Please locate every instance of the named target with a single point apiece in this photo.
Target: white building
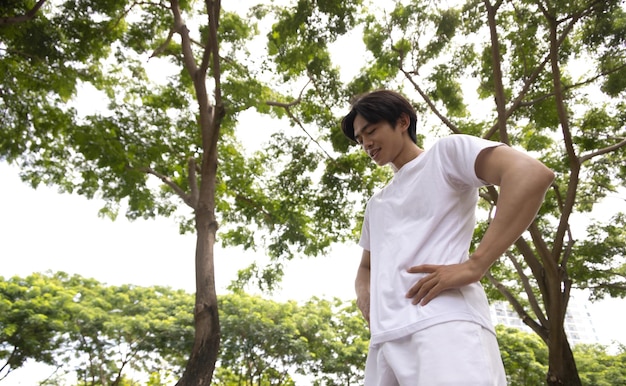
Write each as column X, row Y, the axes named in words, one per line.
column 578, row 322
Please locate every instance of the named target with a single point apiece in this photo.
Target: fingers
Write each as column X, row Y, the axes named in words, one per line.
column 424, row 290
column 430, row 295
column 424, row 268
column 440, row 278
column 366, row 316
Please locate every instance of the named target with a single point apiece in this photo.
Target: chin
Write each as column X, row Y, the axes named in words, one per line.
column 379, row 163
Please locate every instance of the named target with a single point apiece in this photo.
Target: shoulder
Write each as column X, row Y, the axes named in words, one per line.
column 458, row 155
column 462, row 146
column 457, row 140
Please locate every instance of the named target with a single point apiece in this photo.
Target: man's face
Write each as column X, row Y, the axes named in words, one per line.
column 381, row 141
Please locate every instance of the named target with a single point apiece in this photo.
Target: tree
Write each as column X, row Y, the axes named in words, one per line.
column 33, row 312
column 262, row 341
column 525, row 356
column 271, row 343
column 598, row 368
column 175, row 129
column 546, row 76
column 97, row 332
column 115, row 329
column 339, row 340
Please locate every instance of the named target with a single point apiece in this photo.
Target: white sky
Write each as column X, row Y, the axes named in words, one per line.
column 43, row 230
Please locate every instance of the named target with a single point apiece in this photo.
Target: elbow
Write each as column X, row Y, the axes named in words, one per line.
column 546, row 176
column 535, row 176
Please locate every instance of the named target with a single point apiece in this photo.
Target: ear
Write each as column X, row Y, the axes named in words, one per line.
column 403, row 122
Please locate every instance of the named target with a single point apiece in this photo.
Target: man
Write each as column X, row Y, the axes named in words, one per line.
column 417, row 285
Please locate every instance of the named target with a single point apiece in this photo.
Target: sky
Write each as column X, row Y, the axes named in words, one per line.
column 42, row 230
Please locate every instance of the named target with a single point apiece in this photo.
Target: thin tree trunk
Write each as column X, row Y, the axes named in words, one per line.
column 201, row 364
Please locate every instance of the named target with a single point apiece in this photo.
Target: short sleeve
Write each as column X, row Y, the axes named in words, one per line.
column 460, row 152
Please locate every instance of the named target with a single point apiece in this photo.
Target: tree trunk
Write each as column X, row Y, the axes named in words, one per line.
column 201, row 363
column 562, row 368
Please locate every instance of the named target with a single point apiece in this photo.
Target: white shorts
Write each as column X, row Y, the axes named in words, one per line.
column 455, row 353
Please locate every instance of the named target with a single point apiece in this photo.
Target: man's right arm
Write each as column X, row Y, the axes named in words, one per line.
column 362, row 285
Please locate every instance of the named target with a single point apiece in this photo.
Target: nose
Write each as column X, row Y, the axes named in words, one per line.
column 367, row 143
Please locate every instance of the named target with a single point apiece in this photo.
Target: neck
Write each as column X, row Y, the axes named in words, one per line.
column 408, row 154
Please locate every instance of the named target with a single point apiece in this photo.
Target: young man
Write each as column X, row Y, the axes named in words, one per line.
column 417, row 285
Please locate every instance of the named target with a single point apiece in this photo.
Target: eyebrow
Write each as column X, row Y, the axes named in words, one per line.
column 356, row 137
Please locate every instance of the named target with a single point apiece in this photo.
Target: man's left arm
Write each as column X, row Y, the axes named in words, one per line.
column 523, row 182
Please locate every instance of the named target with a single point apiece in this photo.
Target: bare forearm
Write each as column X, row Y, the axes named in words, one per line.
column 362, row 285
column 362, row 282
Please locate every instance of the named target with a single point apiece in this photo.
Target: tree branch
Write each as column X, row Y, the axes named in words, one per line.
column 573, row 86
column 533, row 263
column 574, row 162
column 159, row 50
column 167, row 181
column 500, row 97
column 212, row 52
column 518, row 101
column 528, row 289
column 430, row 103
column 520, row 97
column 567, row 287
column 7, row 364
column 517, row 306
column 30, row 14
column 609, row 286
column 181, row 29
column 208, row 47
column 602, row 151
column 287, row 107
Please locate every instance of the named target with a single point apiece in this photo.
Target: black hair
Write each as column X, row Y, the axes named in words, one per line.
column 377, row 106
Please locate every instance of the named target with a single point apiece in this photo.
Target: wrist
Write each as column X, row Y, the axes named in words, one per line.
column 477, row 266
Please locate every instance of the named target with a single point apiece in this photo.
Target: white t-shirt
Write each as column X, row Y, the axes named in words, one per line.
column 425, row 215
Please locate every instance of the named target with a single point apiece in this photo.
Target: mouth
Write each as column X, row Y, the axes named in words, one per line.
column 374, row 153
